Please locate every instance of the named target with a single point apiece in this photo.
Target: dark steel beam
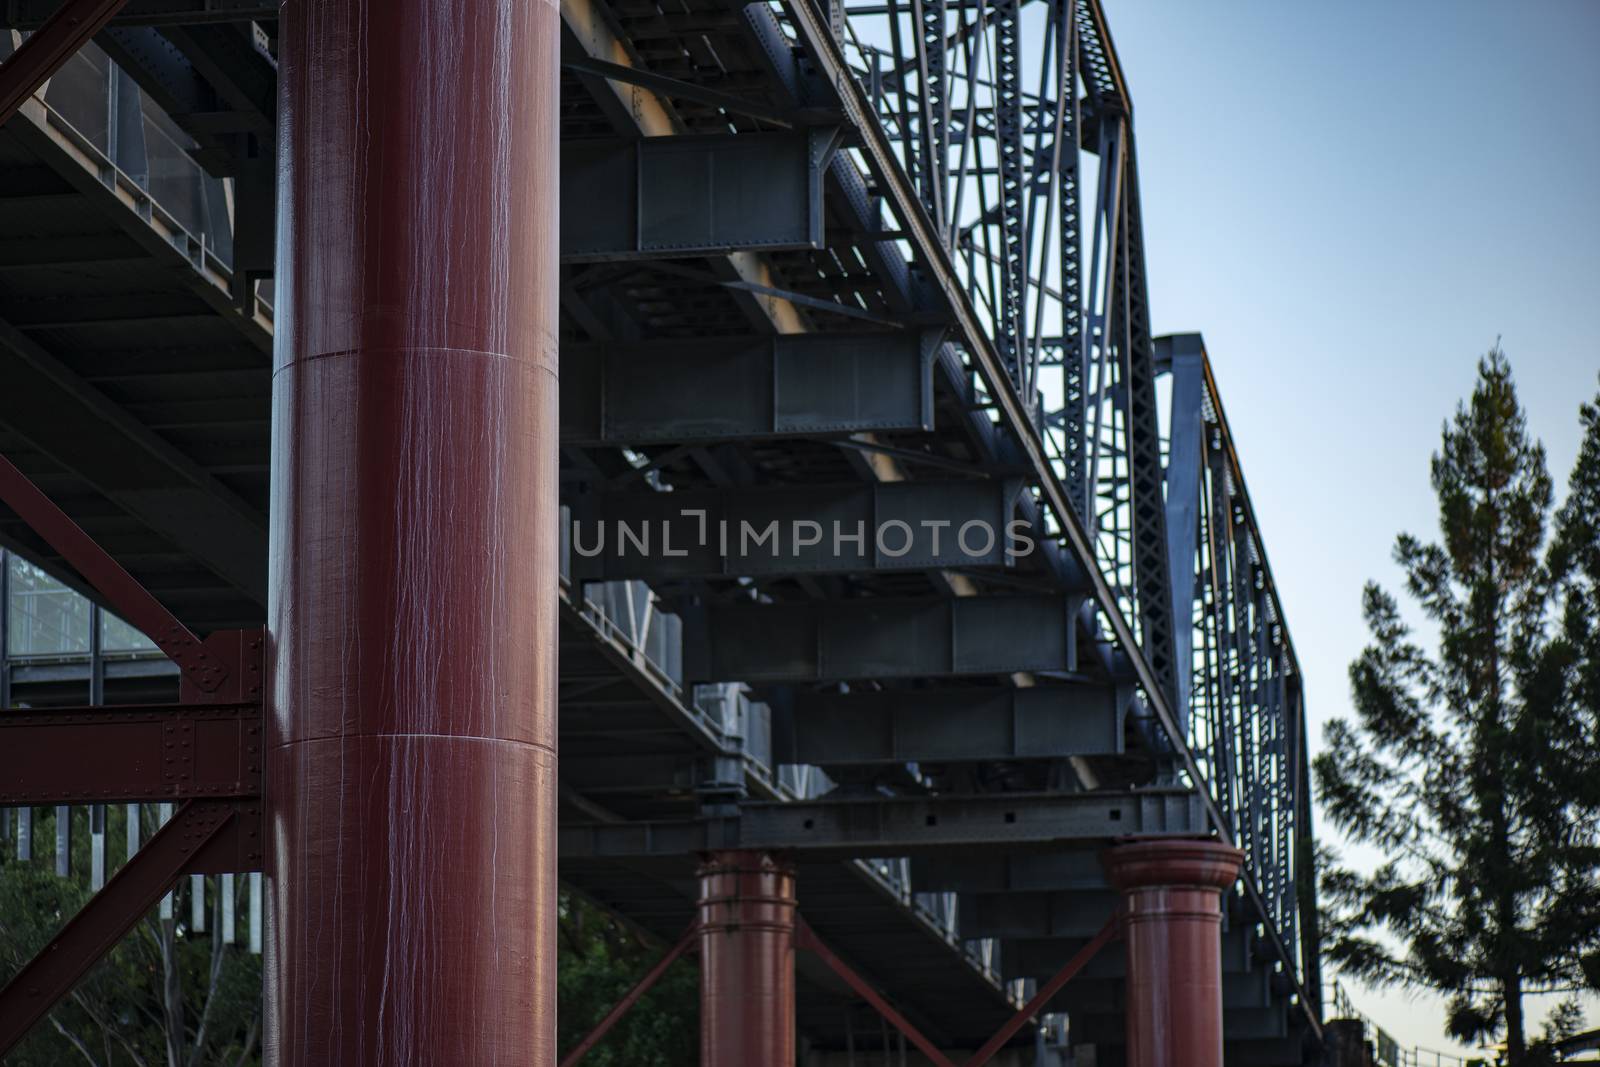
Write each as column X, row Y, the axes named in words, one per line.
column 1039, row 957
column 880, row 638
column 50, row 46
column 109, row 914
column 140, row 753
column 950, row 725
column 681, row 196
column 201, row 666
column 673, row 87
column 899, row 826
column 1245, row 1031
column 1046, row 992
column 79, row 427
column 217, row 84
column 32, row 14
column 1184, row 357
column 645, row 392
column 807, row 940
column 1022, row 872
column 689, row 940
column 1066, row 913
column 1241, row 991
column 788, row 530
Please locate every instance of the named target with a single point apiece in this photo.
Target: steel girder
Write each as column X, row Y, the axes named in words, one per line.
column 899, row 826
column 880, row 638
column 203, row 836
column 789, row 530
column 672, row 197
column 642, row 392
column 141, row 753
column 951, row 725
column 31, row 14
column 75, row 424
column 66, row 30
column 207, row 752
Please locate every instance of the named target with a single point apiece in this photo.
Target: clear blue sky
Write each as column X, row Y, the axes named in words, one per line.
column 1352, row 201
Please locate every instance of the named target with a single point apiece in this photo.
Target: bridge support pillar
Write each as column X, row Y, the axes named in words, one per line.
column 412, row 766
column 1172, row 913
column 747, row 924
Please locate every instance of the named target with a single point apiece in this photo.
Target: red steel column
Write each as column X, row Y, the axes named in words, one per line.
column 747, row 913
column 414, row 525
column 1172, row 911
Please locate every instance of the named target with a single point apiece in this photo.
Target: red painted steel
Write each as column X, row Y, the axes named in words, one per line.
column 1172, row 916
column 807, row 940
column 689, row 939
column 202, row 668
column 43, row 53
column 1041, row 999
column 412, row 771
column 140, row 753
column 747, row 930
column 110, row 913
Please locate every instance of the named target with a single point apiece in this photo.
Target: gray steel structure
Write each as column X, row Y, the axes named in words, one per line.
column 866, row 261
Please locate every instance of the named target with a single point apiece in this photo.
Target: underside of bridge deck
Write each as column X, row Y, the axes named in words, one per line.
column 884, row 591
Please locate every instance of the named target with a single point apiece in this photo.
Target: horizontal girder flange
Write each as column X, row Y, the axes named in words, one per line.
column 949, row 725
column 898, row 826
column 880, row 638
column 797, row 529
column 1066, row 913
column 130, row 754
column 737, row 388
column 667, row 197
column 31, row 14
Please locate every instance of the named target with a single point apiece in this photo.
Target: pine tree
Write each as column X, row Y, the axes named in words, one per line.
column 1475, row 770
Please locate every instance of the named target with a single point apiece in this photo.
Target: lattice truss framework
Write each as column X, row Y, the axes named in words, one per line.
column 1010, row 118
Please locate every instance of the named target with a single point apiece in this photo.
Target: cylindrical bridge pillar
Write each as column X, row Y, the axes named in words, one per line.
column 413, row 588
column 1172, row 912
column 747, row 919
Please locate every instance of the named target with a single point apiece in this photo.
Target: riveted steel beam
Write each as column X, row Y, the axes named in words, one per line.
column 645, row 392
column 1240, row 990
column 31, row 14
column 668, row 197
column 784, row 530
column 131, row 754
column 1025, row 872
column 77, row 426
column 1250, row 1035
column 880, row 638
column 938, row 725
column 899, row 826
column 1065, row 913
column 41, row 55
column 202, row 835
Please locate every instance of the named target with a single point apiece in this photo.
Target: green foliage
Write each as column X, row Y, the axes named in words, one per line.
column 1472, row 767
column 600, row 961
column 162, row 996
column 171, row 997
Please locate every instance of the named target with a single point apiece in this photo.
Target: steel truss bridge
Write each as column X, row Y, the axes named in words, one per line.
column 873, row 262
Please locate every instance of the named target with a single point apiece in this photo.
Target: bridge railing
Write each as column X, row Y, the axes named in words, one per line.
column 1388, row 1052
column 95, row 104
